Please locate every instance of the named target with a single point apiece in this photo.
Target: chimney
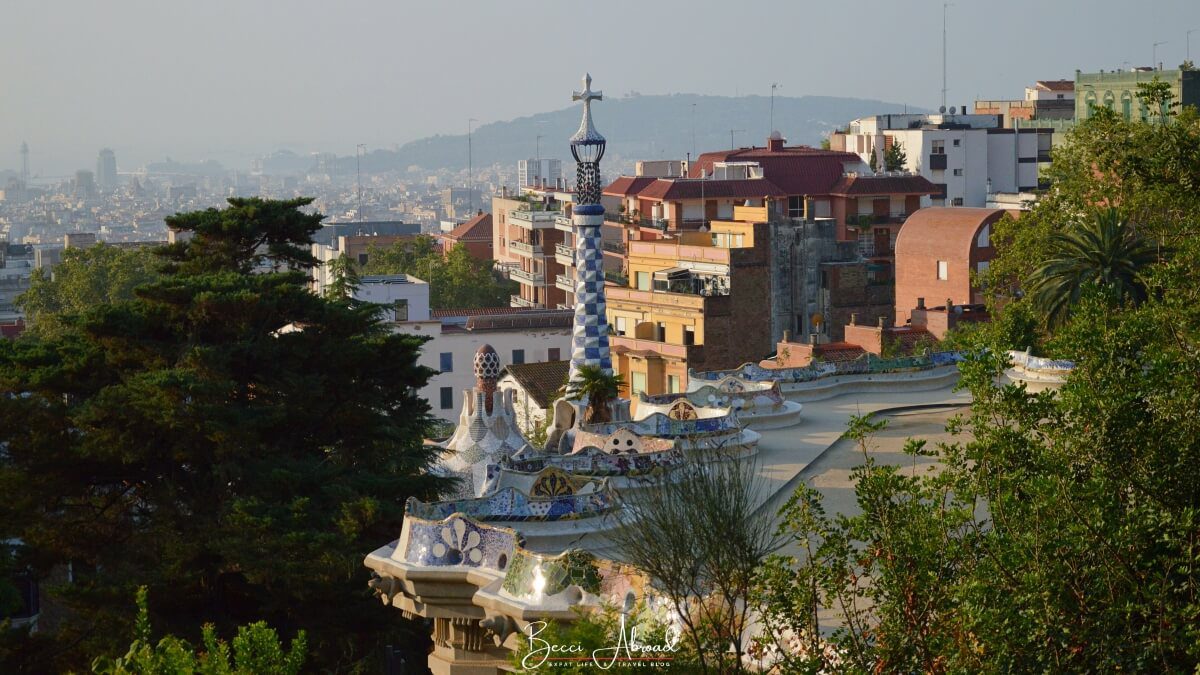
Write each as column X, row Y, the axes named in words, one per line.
column 787, row 336
column 774, row 143
column 853, row 319
column 812, row 338
column 881, row 323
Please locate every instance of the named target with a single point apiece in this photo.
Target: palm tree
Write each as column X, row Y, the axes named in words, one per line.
column 1105, row 251
column 598, row 387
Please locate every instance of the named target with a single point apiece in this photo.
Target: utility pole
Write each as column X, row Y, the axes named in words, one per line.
column 945, row 7
column 694, row 129
column 470, row 167
column 359, row 150
column 732, row 145
column 774, row 86
column 1154, row 54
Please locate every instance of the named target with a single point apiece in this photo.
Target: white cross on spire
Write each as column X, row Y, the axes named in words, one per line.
column 587, row 132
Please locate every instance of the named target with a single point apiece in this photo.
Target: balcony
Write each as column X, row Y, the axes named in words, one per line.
column 528, row 278
column 613, row 247
column 526, row 249
column 564, row 254
column 518, row 301
column 533, row 220
column 937, row 162
column 564, row 305
column 685, row 352
column 563, row 223
column 565, row 282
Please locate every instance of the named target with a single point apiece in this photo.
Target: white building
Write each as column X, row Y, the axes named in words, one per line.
column 405, row 296
column 538, row 173
column 968, row 156
column 518, row 336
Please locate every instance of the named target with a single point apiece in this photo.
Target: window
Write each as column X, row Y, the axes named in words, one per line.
column 938, row 148
column 689, row 335
column 673, row 384
column 518, row 357
column 958, row 172
column 637, row 383
column 660, row 332
column 795, row 207
column 643, row 281
column 982, row 266
column 621, row 325
column 447, row 359
column 957, row 201
column 984, row 238
column 957, row 142
column 362, row 258
column 447, row 395
column 553, row 354
column 401, row 307
column 943, row 270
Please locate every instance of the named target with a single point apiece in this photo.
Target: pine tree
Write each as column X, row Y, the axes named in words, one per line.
column 227, row 438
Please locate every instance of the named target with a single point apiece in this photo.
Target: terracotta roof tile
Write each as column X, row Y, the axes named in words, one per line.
column 752, row 188
column 878, row 185
column 624, row 186
column 542, row 381
column 478, row 228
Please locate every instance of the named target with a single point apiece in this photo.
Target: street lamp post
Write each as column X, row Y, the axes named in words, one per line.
column 1154, row 54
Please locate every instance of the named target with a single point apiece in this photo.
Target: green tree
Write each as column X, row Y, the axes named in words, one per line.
column 456, row 279
column 256, row 649
column 1104, row 251
column 894, row 157
column 227, row 438
column 345, row 278
column 86, row 277
column 598, row 388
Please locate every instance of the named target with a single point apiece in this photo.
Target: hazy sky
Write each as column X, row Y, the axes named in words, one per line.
column 235, row 78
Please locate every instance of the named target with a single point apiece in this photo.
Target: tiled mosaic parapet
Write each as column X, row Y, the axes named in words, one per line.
column 663, row 426
column 512, row 505
column 456, row 541
column 534, row 576
column 864, row 365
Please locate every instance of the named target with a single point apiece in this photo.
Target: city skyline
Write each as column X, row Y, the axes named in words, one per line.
column 153, row 84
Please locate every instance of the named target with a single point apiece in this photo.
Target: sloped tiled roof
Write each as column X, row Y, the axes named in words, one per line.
column 478, row 228
column 542, row 381
column 628, row 185
column 839, row 351
column 797, row 170
column 1057, row 85
column 879, row 185
column 752, row 188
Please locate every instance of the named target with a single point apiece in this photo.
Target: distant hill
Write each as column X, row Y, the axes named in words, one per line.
column 637, row 127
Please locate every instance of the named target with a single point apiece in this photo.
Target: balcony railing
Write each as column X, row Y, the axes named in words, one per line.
column 564, row 250
column 529, row 278
column 613, row 246
column 526, row 249
column 563, row 223
column 565, row 282
column 533, row 220
column 518, row 301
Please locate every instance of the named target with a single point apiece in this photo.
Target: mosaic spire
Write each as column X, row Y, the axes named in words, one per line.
column 589, row 345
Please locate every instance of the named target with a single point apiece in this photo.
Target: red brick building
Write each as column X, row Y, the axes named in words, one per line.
column 475, row 234
column 936, row 252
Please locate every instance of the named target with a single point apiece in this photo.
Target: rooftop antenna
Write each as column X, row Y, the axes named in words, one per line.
column 774, row 86
column 945, row 7
column 359, row 150
column 1154, row 54
column 470, row 168
column 693, row 128
column 732, row 145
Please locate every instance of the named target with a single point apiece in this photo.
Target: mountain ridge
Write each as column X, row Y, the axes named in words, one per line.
column 637, row 126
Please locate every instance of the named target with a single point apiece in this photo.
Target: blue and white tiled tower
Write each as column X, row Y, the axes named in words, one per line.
column 589, row 345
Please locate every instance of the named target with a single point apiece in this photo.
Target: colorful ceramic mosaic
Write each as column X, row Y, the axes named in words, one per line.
column 457, row 540
column 593, row 462
column 864, row 365
column 512, row 505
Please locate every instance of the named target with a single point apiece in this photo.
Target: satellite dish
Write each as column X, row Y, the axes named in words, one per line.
column 942, row 109
column 951, row 110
